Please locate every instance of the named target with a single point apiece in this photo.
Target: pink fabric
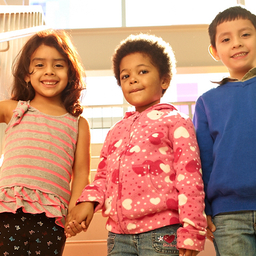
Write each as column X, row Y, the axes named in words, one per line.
column 150, row 176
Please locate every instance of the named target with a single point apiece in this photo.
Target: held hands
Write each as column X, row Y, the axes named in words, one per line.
column 79, row 218
column 186, row 252
column 210, row 228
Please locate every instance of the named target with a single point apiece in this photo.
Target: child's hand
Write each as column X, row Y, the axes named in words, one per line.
column 79, row 218
column 210, row 228
column 73, row 227
column 186, row 252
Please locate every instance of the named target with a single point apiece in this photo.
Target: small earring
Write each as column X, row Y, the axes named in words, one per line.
column 27, row 83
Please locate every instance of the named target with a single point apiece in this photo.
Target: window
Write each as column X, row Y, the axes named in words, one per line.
column 67, row 14
column 170, row 12
column 102, row 90
column 72, row 14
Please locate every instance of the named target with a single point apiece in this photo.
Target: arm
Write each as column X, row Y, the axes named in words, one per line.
column 205, row 143
column 96, row 191
column 6, row 110
column 91, row 200
column 80, row 216
column 189, row 185
column 80, row 177
column 81, row 166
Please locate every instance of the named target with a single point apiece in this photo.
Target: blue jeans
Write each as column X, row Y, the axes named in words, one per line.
column 235, row 234
column 158, row 242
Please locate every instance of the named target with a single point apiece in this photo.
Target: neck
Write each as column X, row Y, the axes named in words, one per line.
column 48, row 106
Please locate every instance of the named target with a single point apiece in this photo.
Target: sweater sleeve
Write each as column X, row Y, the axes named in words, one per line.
column 189, row 185
column 205, row 143
column 96, row 191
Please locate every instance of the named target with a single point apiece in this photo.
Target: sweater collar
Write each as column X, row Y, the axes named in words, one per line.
column 250, row 74
column 158, row 106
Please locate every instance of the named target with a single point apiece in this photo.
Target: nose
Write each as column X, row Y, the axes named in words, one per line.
column 237, row 42
column 49, row 70
column 133, row 80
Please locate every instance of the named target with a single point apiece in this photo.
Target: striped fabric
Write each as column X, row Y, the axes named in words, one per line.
column 37, row 165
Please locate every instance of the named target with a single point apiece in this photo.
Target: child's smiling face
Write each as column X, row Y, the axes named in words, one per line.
column 140, row 81
column 236, row 46
column 48, row 72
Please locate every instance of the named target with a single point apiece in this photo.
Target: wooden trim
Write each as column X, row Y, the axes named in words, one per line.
column 86, row 241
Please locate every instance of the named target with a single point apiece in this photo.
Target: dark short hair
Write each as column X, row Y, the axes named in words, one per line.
column 76, row 75
column 159, row 52
column 232, row 13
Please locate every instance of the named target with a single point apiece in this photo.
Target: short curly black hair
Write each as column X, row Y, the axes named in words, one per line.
column 232, row 13
column 159, row 52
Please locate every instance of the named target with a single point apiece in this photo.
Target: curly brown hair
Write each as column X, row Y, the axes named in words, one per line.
column 159, row 52
column 76, row 75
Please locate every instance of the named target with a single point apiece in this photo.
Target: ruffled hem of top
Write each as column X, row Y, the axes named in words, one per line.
column 33, row 201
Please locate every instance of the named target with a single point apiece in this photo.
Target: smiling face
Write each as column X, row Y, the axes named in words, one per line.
column 49, row 73
column 140, row 81
column 236, row 46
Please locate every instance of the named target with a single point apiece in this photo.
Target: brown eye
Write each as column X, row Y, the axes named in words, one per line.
column 124, row 77
column 143, row 72
column 39, row 65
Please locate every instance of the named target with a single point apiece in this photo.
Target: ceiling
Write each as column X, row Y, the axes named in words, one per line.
column 189, row 42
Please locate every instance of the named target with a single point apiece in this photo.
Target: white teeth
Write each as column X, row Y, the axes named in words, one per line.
column 49, row 83
column 239, row 54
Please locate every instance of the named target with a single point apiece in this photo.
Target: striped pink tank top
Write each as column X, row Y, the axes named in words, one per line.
column 37, row 165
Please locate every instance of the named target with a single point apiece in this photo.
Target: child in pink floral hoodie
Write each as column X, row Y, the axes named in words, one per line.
column 148, row 182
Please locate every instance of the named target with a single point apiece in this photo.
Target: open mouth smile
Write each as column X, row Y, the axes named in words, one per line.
column 240, row 54
column 49, row 83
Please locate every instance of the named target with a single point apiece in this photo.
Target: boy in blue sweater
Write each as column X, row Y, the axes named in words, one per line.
column 225, row 122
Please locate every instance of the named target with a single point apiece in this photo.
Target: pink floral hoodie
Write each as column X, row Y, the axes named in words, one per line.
column 150, row 176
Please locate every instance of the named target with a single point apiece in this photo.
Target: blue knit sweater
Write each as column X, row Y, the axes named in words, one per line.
column 225, row 122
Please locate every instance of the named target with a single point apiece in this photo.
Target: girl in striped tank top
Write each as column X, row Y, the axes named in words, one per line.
column 46, row 146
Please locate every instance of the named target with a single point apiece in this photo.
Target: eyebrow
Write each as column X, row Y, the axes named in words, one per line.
column 240, row 30
column 42, row 59
column 140, row 65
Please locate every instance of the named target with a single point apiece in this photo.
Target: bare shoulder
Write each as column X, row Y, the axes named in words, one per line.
column 83, row 142
column 83, row 123
column 6, row 110
column 84, row 135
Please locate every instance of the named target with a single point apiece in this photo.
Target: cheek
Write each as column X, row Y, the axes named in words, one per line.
column 123, row 88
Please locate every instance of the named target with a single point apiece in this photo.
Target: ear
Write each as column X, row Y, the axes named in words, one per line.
column 213, row 52
column 165, row 82
column 27, row 78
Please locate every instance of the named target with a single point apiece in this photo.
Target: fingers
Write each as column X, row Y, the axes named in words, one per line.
column 79, row 218
column 210, row 224
column 73, row 228
column 210, row 229
column 195, row 253
column 69, row 232
column 186, row 252
column 84, row 226
column 88, row 220
column 209, row 235
column 181, row 252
